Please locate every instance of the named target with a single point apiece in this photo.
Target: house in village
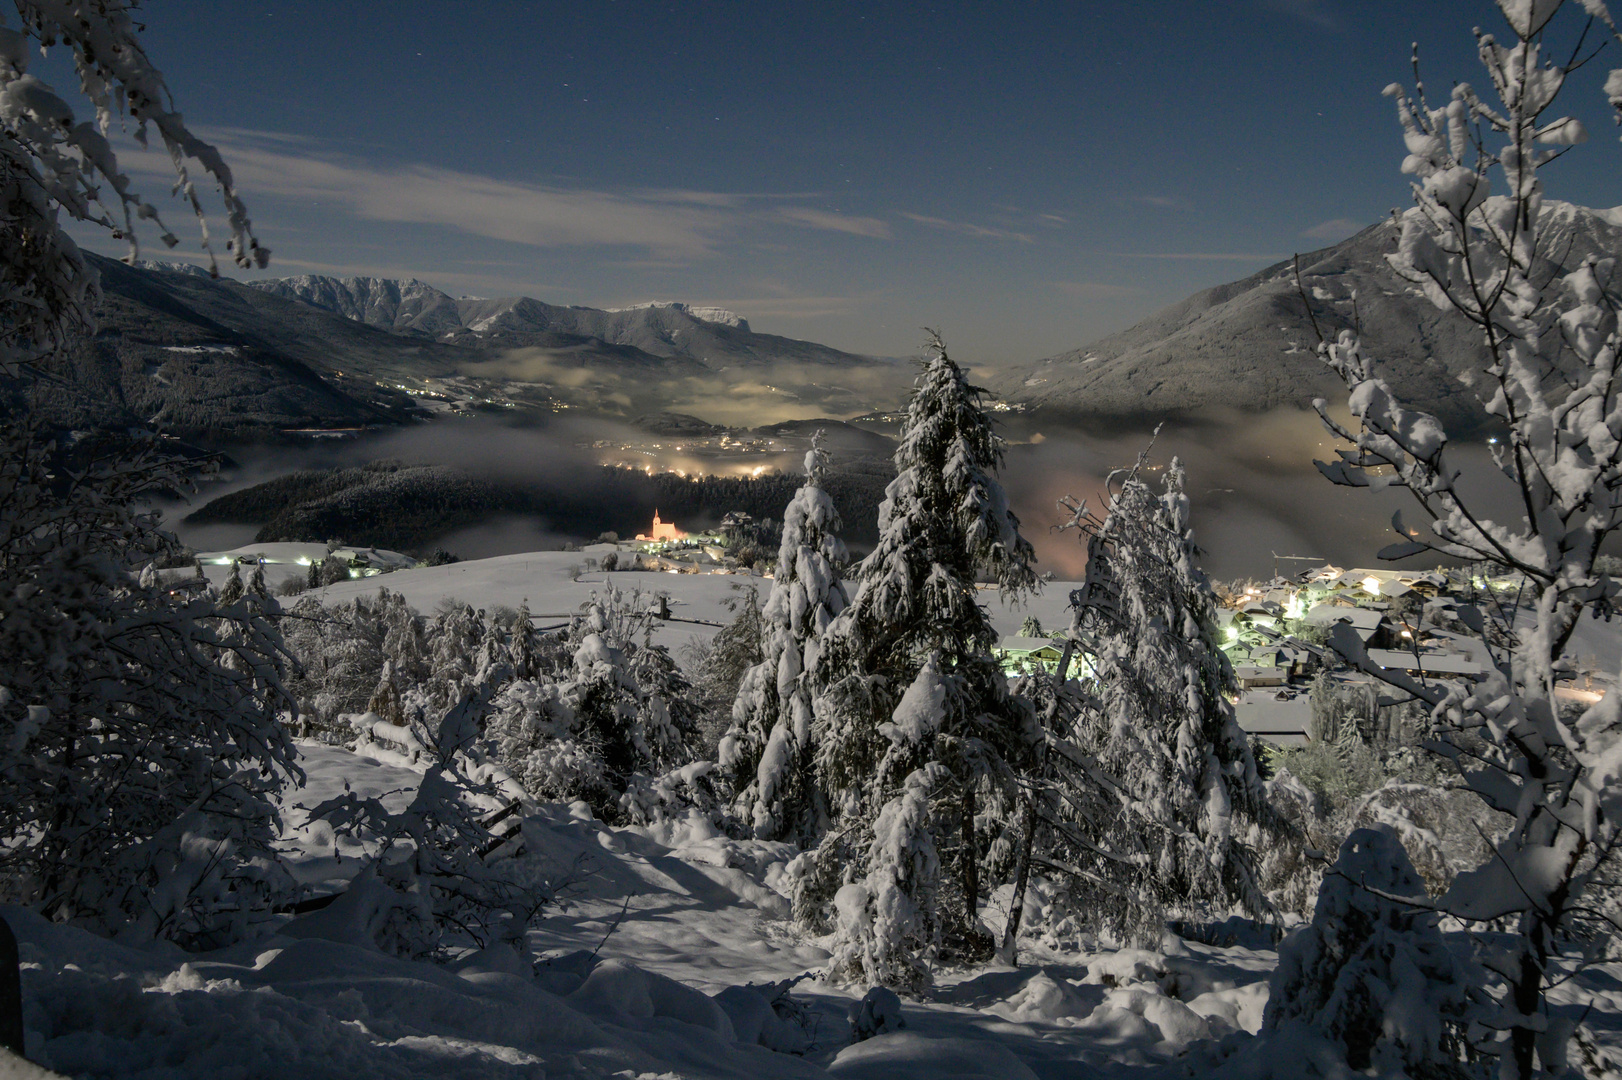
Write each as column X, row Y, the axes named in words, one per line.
column 1025, row 655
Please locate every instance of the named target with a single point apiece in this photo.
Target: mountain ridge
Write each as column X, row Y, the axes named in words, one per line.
column 411, row 307
column 1250, row 345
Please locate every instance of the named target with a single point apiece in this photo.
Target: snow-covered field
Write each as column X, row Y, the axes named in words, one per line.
column 645, row 970
column 557, row 583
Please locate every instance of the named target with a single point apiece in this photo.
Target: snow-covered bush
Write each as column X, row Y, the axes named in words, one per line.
column 1371, row 973
column 346, row 656
column 437, row 867
column 878, row 1013
column 599, row 709
column 674, row 796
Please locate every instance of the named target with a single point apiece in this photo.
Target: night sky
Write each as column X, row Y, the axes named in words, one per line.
column 1025, row 176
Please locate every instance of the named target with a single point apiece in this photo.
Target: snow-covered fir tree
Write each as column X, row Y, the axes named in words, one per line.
column 767, row 753
column 944, row 522
column 1160, row 786
column 140, row 731
column 141, row 737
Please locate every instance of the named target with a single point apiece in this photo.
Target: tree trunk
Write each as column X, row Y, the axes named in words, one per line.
column 971, row 863
column 1009, row 952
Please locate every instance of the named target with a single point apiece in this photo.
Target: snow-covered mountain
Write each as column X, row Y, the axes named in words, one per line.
column 713, row 336
column 1249, row 345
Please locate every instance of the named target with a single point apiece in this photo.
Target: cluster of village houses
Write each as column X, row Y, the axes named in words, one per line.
column 1415, row 621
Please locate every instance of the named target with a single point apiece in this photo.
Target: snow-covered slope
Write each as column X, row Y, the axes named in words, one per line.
column 1249, row 345
column 658, row 965
column 645, row 972
column 556, row 583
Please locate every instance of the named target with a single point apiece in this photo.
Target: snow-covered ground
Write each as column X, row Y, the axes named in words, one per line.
column 657, row 960
column 556, row 583
column 659, row 998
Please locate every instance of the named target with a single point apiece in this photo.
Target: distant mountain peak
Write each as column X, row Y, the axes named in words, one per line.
column 717, row 315
column 172, row 266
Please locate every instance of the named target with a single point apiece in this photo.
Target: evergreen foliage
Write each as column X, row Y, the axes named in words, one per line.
column 916, row 622
column 767, row 752
column 141, row 738
column 1158, row 779
column 1371, row 973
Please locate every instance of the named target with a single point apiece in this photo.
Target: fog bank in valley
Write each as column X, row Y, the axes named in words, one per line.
column 1253, row 487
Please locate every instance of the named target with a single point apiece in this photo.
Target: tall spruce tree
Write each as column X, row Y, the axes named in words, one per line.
column 768, row 753
column 1160, row 786
column 944, row 522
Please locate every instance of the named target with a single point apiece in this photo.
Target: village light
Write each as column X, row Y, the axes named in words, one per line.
column 1371, row 585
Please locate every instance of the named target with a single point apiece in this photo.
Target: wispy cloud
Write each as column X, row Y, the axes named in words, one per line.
column 967, row 229
column 529, row 214
column 667, row 225
column 835, row 222
column 1163, row 202
column 1096, row 290
column 1203, row 256
column 792, row 307
column 1333, row 229
column 1319, row 13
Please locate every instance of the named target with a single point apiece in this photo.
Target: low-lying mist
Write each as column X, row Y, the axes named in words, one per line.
column 1252, row 485
column 1254, row 490
column 751, row 397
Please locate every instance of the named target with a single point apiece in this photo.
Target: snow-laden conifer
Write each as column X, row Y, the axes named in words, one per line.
column 139, row 733
column 944, row 522
column 1371, row 973
column 1159, row 782
column 767, row 752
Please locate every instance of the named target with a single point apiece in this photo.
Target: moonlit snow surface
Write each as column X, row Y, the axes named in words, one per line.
column 555, row 583
column 672, row 987
column 666, row 995
column 700, row 917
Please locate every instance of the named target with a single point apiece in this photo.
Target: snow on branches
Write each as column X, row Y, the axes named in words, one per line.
column 1159, row 786
column 51, row 160
column 1551, row 337
column 141, row 736
column 940, row 758
column 768, row 751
